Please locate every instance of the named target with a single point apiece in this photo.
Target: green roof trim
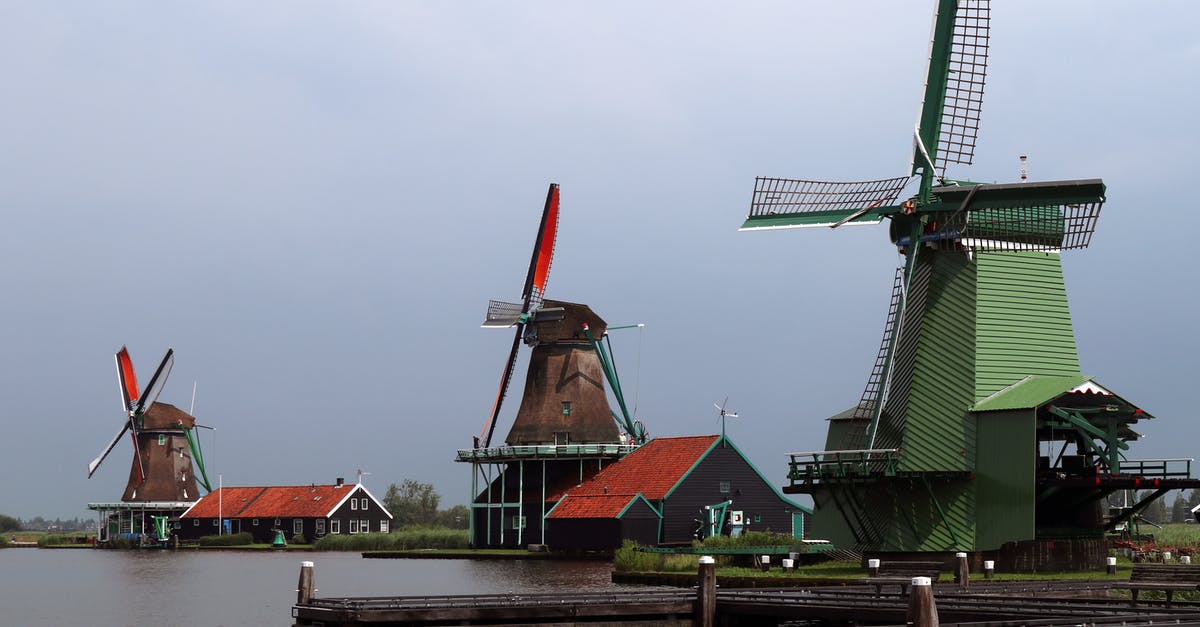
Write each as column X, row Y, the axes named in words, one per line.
column 1029, row 392
column 638, row 497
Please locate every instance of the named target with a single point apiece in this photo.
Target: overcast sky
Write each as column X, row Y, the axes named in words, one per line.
column 313, row 202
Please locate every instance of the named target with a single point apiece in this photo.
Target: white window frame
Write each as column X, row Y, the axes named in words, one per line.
column 335, row 525
column 320, row 526
column 364, row 526
column 353, row 525
column 196, row 522
column 363, row 507
column 383, row 526
column 354, row 504
column 255, row 523
column 297, row 526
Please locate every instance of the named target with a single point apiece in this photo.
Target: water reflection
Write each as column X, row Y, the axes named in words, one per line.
column 74, row 587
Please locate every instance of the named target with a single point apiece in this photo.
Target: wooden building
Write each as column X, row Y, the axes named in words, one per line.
column 311, row 511
column 666, row 490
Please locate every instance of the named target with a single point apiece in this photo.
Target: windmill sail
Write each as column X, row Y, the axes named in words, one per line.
column 964, row 84
column 502, row 314
column 795, row 203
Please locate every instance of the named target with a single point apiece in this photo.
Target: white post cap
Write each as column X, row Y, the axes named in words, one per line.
column 921, row 581
column 707, row 559
column 1111, row 561
column 989, row 564
column 787, row 563
column 1186, row 559
column 306, row 564
column 873, row 563
column 1166, row 555
column 960, row 555
column 766, row 559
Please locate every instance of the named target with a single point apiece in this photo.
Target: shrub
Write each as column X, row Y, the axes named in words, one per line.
column 298, row 539
column 3, row 542
column 237, row 539
column 58, row 539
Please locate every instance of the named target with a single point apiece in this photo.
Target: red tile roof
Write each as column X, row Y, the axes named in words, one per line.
column 307, row 501
column 591, row 506
column 652, row 470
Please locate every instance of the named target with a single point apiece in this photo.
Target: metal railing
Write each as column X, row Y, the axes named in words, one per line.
column 1158, row 468
column 816, row 466
column 544, row 451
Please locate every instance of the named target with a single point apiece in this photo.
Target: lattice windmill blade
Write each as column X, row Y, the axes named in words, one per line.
column 126, row 379
column 489, row 427
column 154, row 388
column 797, row 203
column 948, row 125
column 95, row 463
column 504, row 314
column 543, row 252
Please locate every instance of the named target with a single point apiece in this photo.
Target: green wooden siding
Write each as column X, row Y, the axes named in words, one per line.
column 939, row 434
column 898, row 515
column 1006, row 478
column 1024, row 322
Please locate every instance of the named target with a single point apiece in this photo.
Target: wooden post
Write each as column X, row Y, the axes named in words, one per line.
column 989, row 569
column 765, row 563
column 305, row 589
column 1112, row 565
column 921, row 609
column 873, row 567
column 706, row 601
column 962, row 574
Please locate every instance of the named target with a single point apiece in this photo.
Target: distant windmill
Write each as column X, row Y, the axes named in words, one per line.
column 163, row 444
column 564, row 399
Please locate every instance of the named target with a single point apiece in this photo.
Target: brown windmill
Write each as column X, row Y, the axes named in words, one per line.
column 564, row 400
column 565, row 430
column 163, row 444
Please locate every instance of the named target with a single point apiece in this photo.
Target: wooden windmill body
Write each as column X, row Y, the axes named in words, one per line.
column 565, row 430
column 977, row 430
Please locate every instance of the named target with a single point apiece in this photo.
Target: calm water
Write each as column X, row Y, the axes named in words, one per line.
column 92, row 587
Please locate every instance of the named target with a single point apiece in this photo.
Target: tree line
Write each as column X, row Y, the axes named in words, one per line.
column 415, row 503
column 37, row 523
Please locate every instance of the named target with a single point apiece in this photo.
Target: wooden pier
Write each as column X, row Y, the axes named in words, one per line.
column 1042, row 603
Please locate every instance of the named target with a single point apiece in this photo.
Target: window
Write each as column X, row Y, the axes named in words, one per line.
column 335, row 526
column 320, row 526
column 162, row 439
column 518, row 522
column 298, row 526
column 255, row 523
column 383, row 526
column 196, row 522
column 353, row 526
column 363, row 507
column 354, row 504
column 561, row 438
column 758, row 518
column 214, row 522
column 278, row 524
column 566, row 408
column 724, row 487
column 364, row 526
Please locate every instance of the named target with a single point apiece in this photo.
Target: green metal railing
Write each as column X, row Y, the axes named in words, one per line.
column 817, row 466
column 544, row 451
column 1158, row 468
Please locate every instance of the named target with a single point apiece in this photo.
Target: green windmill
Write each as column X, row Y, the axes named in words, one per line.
column 977, row 430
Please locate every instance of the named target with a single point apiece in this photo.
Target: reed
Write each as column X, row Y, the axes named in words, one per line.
column 236, row 539
column 416, row 537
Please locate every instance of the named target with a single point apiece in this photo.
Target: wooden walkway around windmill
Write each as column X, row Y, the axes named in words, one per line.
column 1044, row 603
